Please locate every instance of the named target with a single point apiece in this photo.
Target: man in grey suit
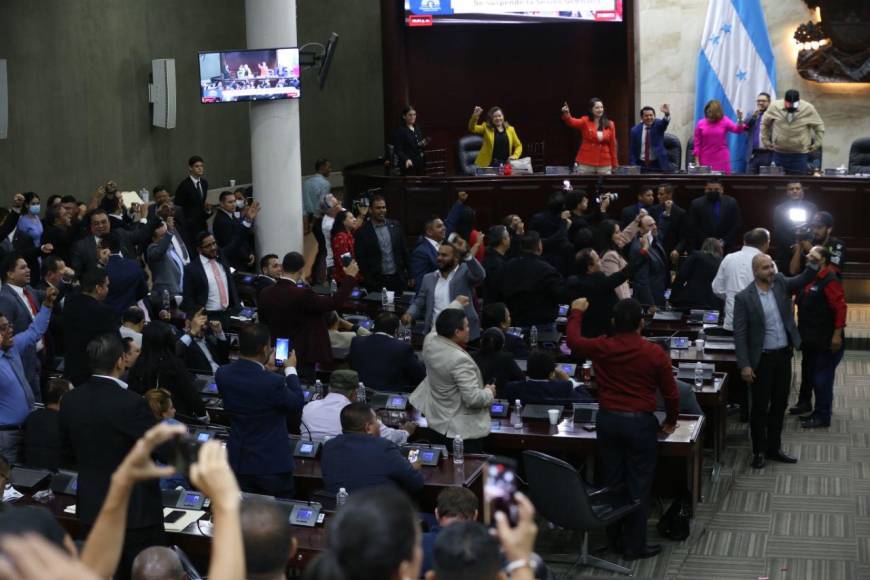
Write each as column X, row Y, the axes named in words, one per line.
column 457, row 274
column 764, row 335
column 19, row 302
column 166, row 256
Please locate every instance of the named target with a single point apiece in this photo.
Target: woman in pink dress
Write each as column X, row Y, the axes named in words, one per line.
column 711, row 139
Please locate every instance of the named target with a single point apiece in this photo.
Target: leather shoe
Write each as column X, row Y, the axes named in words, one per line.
column 648, row 551
column 800, row 409
column 814, row 423
column 758, row 461
column 781, row 456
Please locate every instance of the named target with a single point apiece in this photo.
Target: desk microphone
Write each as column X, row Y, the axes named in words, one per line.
column 302, row 423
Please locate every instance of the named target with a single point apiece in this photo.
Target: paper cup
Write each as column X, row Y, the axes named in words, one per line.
column 699, row 346
column 555, row 415
column 232, row 182
column 391, row 297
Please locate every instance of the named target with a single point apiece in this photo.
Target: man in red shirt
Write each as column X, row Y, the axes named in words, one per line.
column 629, row 371
column 821, row 319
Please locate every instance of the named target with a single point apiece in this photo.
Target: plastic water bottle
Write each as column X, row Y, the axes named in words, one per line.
column 318, row 388
column 518, row 418
column 699, row 376
column 385, row 302
column 533, row 336
column 144, row 194
column 333, row 287
column 164, row 299
column 501, row 168
column 361, row 393
column 340, row 498
column 458, row 450
column 772, row 164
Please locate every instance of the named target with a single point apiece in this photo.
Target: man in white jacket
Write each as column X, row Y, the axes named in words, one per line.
column 735, row 271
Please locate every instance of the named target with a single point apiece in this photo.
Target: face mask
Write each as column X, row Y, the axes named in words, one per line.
column 712, row 194
column 240, row 203
column 34, row 209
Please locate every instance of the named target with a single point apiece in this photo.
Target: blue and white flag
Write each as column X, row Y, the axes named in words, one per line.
column 735, row 64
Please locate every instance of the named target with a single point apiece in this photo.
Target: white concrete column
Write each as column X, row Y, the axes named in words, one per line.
column 275, row 147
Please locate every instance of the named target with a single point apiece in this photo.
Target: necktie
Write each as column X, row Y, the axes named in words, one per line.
column 222, row 289
column 646, row 144
column 199, row 189
column 28, row 295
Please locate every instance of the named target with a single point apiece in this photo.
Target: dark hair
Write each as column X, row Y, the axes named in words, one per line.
column 495, row 235
column 556, row 201
column 226, row 193
column 253, row 338
column 378, row 197
column 93, row 278
column 89, row 217
column 104, row 351
column 68, row 199
column 387, row 322
column 157, row 189
column 456, row 502
column 713, row 180
column 494, row 313
column 29, row 195
column 465, row 222
column 202, row 236
column 645, row 188
column 407, row 109
column 156, row 358
column 369, row 537
column 540, row 364
column 52, row 199
column 605, row 122
column 604, row 236
column 264, row 261
column 530, row 241
column 10, row 262
column 320, row 163
column 712, row 246
column 56, row 389
column 491, row 341
column 574, row 198
column 195, row 159
column 491, row 112
column 267, row 536
column 668, row 187
column 627, row 315
column 331, row 317
column 430, row 222
column 355, row 417
column 111, row 241
column 293, row 262
column 449, row 322
column 756, row 237
column 764, row 94
column 338, row 224
column 647, row 108
column 52, row 213
column 466, row 551
column 583, row 259
column 134, row 315
column 35, row 520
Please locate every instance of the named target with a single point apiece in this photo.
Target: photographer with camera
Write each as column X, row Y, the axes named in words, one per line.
column 790, row 218
column 819, row 234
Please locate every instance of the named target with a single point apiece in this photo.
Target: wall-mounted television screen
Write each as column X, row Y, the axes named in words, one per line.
column 249, row 75
column 431, row 12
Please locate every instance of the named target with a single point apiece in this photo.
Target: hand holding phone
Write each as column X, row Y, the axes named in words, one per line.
column 499, row 488
column 282, row 351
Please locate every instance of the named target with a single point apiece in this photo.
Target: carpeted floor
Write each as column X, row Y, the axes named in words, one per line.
column 809, row 521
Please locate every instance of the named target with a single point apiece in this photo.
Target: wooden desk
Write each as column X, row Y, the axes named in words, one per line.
column 569, row 439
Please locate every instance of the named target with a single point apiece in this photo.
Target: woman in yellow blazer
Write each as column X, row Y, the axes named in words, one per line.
column 500, row 141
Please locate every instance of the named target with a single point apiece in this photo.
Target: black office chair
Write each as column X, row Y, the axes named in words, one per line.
column 561, row 496
column 467, row 149
column 859, row 156
column 690, row 152
column 675, row 150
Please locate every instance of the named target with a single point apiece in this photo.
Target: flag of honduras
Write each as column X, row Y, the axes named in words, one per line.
column 735, row 64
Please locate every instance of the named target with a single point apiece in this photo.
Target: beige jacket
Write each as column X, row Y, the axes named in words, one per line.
column 802, row 134
column 612, row 262
column 452, row 397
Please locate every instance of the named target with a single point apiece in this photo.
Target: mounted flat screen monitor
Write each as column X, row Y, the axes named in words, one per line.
column 432, row 12
column 249, row 75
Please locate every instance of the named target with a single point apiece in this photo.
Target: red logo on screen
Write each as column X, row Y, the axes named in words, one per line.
column 419, row 20
column 606, row 15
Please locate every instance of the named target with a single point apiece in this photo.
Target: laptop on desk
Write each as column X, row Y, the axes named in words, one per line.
column 537, row 412
column 671, row 315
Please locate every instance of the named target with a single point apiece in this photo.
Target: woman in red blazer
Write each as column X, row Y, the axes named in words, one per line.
column 597, row 154
column 343, row 241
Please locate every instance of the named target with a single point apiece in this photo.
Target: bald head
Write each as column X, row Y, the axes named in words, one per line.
column 157, row 563
column 763, row 268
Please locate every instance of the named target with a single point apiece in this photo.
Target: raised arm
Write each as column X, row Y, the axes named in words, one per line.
column 473, row 126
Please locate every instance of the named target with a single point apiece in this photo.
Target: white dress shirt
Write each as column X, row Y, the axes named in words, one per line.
column 326, row 228
column 322, row 418
column 734, row 275
column 442, row 293
column 214, row 295
column 201, row 343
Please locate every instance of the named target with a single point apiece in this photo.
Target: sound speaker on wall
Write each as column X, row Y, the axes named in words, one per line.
column 4, row 100
column 161, row 93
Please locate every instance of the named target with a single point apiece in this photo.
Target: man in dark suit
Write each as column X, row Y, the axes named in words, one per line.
column 546, row 383
column 715, row 215
column 270, row 271
column 647, row 142
column 383, row 362
column 756, row 154
column 42, row 445
column 424, row 256
column 531, row 288
column 552, row 226
column 297, row 312
column 380, row 250
column 645, row 200
column 208, row 281
column 191, row 194
column 19, row 302
column 653, row 275
column 764, row 335
column 100, row 421
column 85, row 254
column 204, row 347
column 162, row 198
column 232, row 231
column 361, row 458
column 258, row 402
column 85, row 317
column 671, row 221
column 498, row 243
column 127, row 283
